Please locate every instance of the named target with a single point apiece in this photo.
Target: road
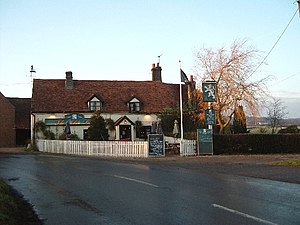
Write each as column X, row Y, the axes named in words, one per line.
column 75, row 190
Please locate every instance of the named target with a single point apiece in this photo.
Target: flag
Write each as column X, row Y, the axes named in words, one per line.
column 183, row 77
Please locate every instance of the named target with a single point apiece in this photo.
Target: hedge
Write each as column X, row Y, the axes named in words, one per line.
column 256, row 143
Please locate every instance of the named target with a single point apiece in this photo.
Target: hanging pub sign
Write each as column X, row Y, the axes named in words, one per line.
column 209, row 91
column 210, row 116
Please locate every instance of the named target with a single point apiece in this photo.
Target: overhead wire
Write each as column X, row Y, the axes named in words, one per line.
column 279, row 82
column 264, row 59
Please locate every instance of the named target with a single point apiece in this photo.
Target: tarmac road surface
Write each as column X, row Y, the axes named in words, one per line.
column 75, row 190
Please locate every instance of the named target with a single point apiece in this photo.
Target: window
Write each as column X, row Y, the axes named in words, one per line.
column 95, row 104
column 143, row 132
column 134, row 105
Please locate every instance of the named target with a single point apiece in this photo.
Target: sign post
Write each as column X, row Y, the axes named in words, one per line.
column 205, row 136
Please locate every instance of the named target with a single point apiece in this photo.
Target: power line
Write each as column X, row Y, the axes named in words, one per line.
column 279, row 82
column 264, row 59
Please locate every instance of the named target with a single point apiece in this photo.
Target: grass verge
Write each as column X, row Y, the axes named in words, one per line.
column 14, row 210
column 290, row 162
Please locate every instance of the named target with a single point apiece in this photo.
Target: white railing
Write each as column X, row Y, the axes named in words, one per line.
column 188, row 148
column 95, row 148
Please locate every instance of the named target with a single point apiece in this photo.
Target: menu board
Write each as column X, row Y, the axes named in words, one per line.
column 205, row 141
column 156, row 145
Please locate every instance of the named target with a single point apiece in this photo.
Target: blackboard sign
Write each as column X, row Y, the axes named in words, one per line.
column 156, row 145
column 205, row 141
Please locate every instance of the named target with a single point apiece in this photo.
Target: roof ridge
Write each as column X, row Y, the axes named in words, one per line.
column 118, row 81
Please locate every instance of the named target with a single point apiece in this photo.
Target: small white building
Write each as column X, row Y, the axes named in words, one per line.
column 58, row 101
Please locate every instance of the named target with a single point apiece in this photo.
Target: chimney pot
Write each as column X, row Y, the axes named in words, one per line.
column 68, row 74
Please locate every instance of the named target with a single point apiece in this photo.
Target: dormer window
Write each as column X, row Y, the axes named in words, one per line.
column 95, row 104
column 134, row 105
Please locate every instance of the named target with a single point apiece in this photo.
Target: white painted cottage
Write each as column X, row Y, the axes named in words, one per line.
column 58, row 101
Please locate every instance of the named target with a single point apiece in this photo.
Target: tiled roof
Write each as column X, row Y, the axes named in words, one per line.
column 22, row 112
column 50, row 95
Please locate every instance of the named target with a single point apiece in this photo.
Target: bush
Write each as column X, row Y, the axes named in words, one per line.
column 40, row 127
column 256, row 143
column 97, row 130
column 73, row 137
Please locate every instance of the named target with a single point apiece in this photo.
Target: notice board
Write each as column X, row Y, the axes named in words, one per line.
column 156, row 145
column 205, row 141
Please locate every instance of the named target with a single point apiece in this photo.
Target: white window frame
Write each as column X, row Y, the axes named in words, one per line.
column 95, row 104
column 134, row 105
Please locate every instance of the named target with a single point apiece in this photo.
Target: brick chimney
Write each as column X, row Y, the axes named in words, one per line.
column 69, row 83
column 156, row 72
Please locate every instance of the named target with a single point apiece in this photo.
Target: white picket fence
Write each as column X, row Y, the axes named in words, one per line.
column 137, row 149
column 95, row 148
column 188, row 148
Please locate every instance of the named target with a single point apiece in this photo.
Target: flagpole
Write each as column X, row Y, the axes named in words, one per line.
column 181, row 114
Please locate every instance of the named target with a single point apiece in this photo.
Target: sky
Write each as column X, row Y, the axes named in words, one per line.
column 119, row 40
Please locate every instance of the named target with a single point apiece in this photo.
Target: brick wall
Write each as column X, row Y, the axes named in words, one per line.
column 7, row 123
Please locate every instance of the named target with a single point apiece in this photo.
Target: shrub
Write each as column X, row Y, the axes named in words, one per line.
column 256, row 143
column 73, row 137
column 40, row 127
column 97, row 130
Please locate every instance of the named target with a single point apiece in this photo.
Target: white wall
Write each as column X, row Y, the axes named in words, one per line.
column 146, row 120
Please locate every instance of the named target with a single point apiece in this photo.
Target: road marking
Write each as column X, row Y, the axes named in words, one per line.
column 137, row 181
column 243, row 214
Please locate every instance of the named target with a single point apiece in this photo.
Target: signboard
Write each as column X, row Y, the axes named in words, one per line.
column 54, row 122
column 209, row 91
column 156, row 145
column 210, row 116
column 205, row 141
column 73, row 119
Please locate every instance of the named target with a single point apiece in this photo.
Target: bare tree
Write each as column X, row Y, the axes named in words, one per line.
column 232, row 69
column 276, row 112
